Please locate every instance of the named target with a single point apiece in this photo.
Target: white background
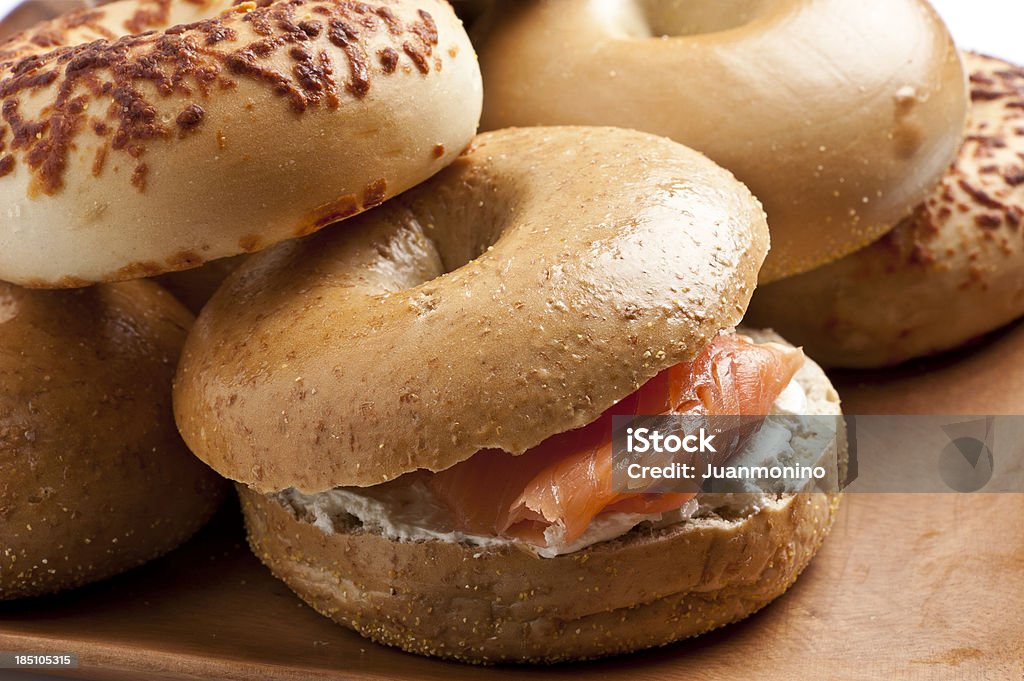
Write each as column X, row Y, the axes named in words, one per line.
column 995, row 27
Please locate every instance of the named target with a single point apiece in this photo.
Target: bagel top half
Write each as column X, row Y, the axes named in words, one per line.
column 542, row 277
column 840, row 116
column 147, row 136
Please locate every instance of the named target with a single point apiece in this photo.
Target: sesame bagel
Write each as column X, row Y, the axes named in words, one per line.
column 546, row 274
column 94, row 478
column 148, row 136
column 648, row 587
column 951, row 271
column 840, row 116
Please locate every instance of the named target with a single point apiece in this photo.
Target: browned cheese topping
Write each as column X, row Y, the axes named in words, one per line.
column 110, row 88
column 982, row 188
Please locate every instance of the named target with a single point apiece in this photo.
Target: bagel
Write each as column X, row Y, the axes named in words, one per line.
column 207, row 130
column 840, row 116
column 541, row 279
column 950, row 272
column 94, row 478
column 657, row 584
column 984, row 379
column 534, row 225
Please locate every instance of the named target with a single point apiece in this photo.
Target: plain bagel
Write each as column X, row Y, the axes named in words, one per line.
column 546, row 274
column 950, row 272
column 840, row 116
column 94, row 478
column 206, row 130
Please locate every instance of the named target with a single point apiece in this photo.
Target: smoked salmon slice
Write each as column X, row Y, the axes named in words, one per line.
column 567, row 478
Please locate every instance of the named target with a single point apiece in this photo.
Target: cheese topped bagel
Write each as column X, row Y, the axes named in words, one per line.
column 148, row 136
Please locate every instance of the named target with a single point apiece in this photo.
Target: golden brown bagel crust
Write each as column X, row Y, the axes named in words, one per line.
column 222, row 132
column 950, row 272
column 542, row 277
column 94, row 478
column 647, row 588
column 839, row 121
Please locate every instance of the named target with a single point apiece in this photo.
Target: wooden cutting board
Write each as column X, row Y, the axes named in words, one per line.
column 908, row 586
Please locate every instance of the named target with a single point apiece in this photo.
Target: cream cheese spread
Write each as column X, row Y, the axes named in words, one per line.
column 410, row 512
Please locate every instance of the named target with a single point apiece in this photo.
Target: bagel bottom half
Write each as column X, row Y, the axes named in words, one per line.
column 647, row 588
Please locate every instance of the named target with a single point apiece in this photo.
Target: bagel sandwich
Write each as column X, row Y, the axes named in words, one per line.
column 417, row 417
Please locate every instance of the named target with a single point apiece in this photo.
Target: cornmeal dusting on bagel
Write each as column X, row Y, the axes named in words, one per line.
column 94, row 478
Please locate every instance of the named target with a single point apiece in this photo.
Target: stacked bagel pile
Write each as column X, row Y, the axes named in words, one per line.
column 426, row 302
column 947, row 273
column 206, row 130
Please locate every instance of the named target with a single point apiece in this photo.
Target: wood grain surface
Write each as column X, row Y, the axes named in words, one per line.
column 910, row 586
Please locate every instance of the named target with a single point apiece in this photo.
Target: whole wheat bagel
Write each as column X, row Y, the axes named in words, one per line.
column 645, row 589
column 840, row 116
column 950, row 272
column 94, row 478
column 546, row 274
column 147, row 136
column 537, row 281
column 649, row 587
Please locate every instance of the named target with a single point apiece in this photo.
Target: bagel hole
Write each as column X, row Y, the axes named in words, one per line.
column 677, row 18
column 464, row 226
